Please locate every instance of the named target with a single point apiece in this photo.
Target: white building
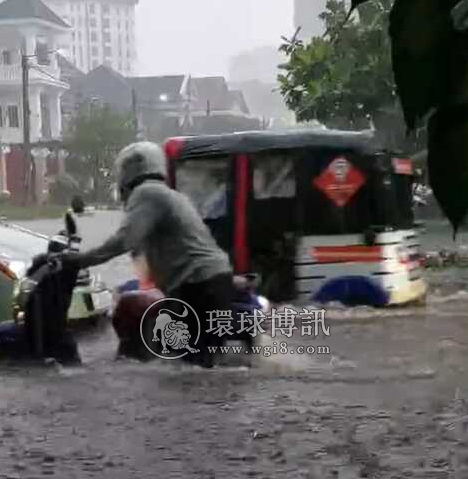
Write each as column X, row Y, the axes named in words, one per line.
column 103, row 33
column 29, row 26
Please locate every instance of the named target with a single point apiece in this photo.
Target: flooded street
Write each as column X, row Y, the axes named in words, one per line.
column 390, row 401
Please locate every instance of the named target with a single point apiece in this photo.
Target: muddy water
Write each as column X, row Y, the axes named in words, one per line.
column 388, row 402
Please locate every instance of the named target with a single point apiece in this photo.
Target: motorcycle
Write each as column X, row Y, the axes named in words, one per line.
column 132, row 303
column 49, row 299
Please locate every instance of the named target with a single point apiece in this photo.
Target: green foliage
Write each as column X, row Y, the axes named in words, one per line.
column 94, row 138
column 344, row 78
column 63, row 189
column 5, row 197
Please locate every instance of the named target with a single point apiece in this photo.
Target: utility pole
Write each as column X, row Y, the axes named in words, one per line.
column 30, row 177
column 135, row 113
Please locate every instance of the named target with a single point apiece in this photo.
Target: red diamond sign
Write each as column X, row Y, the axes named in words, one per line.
column 340, row 181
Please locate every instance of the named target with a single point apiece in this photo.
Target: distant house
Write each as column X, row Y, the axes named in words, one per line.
column 168, row 105
column 217, row 109
column 160, row 103
column 265, row 101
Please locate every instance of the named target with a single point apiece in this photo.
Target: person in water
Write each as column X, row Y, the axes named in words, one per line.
column 164, row 227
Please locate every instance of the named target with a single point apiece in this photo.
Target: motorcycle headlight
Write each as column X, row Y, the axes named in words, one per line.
column 264, row 303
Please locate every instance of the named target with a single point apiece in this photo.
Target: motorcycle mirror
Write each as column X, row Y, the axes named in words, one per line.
column 78, row 205
column 70, row 225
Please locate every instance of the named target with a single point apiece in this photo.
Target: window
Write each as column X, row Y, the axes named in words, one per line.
column 106, row 23
column 106, row 9
column 273, row 177
column 107, row 37
column 204, row 182
column 95, row 63
column 107, row 51
column 93, row 23
column 92, row 8
column 13, row 117
column 6, row 57
column 94, row 37
column 95, row 51
column 1, row 117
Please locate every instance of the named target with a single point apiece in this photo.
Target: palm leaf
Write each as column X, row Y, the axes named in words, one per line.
column 447, row 162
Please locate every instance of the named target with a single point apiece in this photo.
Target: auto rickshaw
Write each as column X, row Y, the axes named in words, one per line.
column 321, row 216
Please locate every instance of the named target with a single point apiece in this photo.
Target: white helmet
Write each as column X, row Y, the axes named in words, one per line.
column 137, row 162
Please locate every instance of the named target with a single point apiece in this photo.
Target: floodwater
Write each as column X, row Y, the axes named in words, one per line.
column 390, row 401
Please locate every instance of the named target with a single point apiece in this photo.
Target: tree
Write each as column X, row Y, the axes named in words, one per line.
column 429, row 51
column 343, row 78
column 93, row 139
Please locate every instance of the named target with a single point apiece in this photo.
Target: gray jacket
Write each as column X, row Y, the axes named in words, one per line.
column 163, row 225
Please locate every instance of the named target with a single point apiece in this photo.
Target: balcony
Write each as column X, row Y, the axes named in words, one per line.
column 45, row 74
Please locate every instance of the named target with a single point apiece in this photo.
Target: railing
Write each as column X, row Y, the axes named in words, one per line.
column 11, row 135
column 13, row 73
column 10, row 73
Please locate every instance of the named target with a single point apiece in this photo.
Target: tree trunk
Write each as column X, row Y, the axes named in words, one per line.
column 96, row 180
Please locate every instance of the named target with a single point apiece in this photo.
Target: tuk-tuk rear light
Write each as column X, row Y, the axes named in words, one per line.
column 403, row 255
column 172, row 148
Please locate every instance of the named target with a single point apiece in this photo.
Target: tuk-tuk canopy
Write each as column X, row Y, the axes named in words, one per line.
column 205, row 146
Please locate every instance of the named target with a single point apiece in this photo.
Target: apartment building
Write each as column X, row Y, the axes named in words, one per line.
column 102, row 33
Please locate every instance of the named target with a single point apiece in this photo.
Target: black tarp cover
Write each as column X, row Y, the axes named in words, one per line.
column 258, row 141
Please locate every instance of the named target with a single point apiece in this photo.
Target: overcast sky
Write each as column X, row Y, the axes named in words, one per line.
column 199, row 36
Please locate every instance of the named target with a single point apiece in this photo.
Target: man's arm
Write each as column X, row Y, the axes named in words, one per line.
column 142, row 213
column 111, row 248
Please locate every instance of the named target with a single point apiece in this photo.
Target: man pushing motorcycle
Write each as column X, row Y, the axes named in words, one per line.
column 162, row 225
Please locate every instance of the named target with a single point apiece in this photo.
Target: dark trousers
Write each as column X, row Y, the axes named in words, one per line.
column 213, row 295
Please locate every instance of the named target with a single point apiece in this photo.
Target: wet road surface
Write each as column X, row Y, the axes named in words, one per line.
column 388, row 402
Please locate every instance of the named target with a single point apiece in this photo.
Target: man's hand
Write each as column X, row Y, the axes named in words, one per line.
column 71, row 260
